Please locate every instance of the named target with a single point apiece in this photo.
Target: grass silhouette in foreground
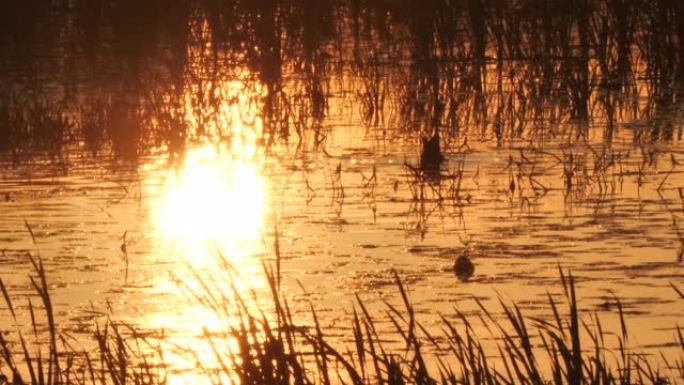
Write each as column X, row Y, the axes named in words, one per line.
column 257, row 349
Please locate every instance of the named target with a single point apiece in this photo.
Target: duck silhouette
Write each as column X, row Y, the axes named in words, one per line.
column 463, row 267
column 431, row 155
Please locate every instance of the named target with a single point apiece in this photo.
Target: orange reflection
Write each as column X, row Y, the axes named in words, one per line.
column 212, row 206
column 215, row 197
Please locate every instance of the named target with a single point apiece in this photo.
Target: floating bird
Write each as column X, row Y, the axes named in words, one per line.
column 431, row 155
column 463, row 267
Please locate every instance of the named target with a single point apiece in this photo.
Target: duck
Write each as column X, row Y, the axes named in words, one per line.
column 464, row 267
column 431, row 155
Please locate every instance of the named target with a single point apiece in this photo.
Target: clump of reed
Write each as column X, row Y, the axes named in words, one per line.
column 32, row 125
column 48, row 356
column 263, row 345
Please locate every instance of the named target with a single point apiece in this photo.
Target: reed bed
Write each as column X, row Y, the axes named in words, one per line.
column 498, row 70
column 263, row 345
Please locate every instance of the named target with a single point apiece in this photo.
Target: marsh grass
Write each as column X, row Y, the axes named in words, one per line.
column 263, row 345
column 499, row 70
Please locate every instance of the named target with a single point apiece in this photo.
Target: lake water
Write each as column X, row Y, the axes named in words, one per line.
column 577, row 176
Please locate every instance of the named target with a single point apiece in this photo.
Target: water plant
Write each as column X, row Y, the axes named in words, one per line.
column 263, row 345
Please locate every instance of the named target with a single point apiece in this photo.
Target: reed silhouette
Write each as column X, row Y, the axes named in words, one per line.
column 566, row 348
column 494, row 69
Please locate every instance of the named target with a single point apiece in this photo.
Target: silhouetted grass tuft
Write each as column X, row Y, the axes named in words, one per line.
column 262, row 345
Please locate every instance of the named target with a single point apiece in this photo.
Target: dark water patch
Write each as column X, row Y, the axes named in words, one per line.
column 648, row 266
column 424, row 249
column 337, row 221
column 369, row 246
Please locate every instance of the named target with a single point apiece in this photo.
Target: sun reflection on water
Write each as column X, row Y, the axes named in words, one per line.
column 215, row 197
column 209, row 211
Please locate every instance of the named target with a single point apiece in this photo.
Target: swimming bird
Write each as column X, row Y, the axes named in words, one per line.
column 431, row 155
column 463, row 267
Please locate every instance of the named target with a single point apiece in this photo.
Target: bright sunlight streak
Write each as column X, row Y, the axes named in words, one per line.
column 215, row 197
column 211, row 206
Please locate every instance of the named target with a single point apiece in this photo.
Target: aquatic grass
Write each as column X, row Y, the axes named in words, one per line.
column 121, row 358
column 540, row 83
column 681, row 293
column 91, row 123
column 499, row 70
column 564, row 350
column 259, row 343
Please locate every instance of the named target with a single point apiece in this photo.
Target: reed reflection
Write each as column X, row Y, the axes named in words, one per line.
column 498, row 70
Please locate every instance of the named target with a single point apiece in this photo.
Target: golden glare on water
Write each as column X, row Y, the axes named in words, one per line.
column 209, row 209
column 216, row 197
column 216, row 202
